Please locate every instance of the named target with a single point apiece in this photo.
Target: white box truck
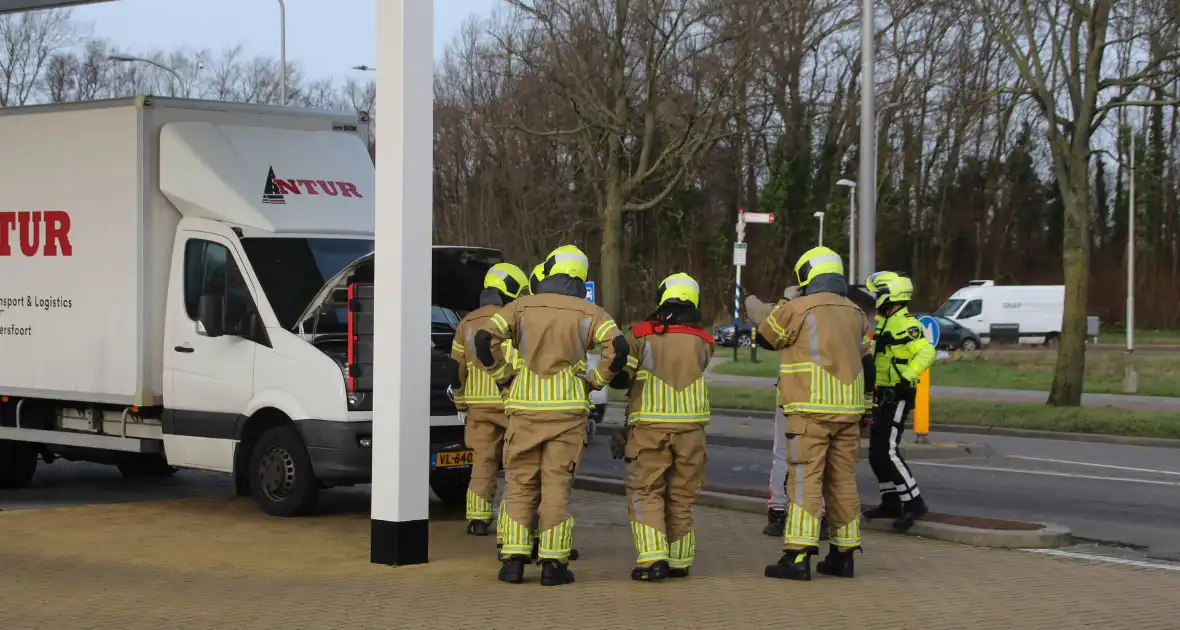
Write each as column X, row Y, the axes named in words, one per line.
column 186, row 284
column 1035, row 311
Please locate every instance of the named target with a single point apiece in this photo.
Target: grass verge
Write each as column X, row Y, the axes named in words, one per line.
column 1098, row 420
column 1022, row 369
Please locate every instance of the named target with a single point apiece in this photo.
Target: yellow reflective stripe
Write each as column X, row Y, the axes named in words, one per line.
column 557, row 541
column 478, row 508
column 632, row 362
column 458, row 348
column 847, row 536
column 603, row 329
column 518, row 539
column 682, row 552
column 826, row 393
column 480, row 385
column 501, row 519
column 802, row 528
column 779, row 332
column 660, row 402
column 563, row 391
column 651, row 545
column 500, row 323
column 794, row 368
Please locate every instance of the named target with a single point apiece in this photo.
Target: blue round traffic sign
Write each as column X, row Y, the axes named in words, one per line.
column 930, row 327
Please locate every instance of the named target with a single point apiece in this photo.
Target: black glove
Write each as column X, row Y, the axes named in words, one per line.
column 618, row 443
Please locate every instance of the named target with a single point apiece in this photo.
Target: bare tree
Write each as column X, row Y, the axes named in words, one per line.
column 28, row 43
column 1060, row 49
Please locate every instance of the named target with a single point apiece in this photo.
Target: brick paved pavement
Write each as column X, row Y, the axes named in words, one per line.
column 211, row 564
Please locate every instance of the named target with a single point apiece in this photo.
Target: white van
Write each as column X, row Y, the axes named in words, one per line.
column 1036, row 311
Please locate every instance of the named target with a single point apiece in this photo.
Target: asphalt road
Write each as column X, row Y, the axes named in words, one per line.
column 1122, row 401
column 1121, row 494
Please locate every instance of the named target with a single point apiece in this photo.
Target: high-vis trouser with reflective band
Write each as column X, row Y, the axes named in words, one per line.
column 541, row 453
column 484, row 434
column 665, row 468
column 894, row 476
column 822, row 451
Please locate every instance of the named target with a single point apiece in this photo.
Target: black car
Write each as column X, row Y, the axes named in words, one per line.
column 727, row 338
column 955, row 336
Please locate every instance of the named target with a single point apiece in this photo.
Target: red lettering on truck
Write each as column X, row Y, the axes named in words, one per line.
column 276, row 189
column 40, row 232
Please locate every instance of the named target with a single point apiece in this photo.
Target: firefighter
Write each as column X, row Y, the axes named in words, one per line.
column 776, row 505
column 825, row 372
column 547, row 406
column 663, row 442
column 902, row 355
column 478, row 397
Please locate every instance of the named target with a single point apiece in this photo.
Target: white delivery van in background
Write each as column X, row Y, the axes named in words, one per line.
column 183, row 286
column 1037, row 311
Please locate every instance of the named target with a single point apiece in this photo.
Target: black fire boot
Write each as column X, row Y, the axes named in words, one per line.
column 536, row 552
column 555, row 573
column 478, row 527
column 794, row 565
column 890, row 507
column 837, row 563
column 823, row 529
column 654, row 573
column 512, row 569
column 678, row 573
column 911, row 511
column 499, row 548
column 776, row 522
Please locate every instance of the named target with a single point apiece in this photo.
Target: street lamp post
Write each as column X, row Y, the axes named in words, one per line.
column 820, row 215
column 282, row 52
column 130, row 59
column 868, row 157
column 851, row 185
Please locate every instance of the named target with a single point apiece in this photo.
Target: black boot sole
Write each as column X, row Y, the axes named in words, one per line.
column 511, row 573
column 840, row 572
column 777, row 572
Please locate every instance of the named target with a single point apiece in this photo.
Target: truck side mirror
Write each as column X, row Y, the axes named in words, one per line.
column 211, row 315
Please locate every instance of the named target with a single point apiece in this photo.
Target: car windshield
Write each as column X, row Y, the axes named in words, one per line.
column 942, row 321
column 292, row 270
column 949, row 308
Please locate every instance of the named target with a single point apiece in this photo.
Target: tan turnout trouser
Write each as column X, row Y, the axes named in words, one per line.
column 484, row 434
column 541, row 453
column 665, row 464
column 822, row 452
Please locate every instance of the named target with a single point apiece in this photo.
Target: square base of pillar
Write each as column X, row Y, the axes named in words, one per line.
column 399, row 542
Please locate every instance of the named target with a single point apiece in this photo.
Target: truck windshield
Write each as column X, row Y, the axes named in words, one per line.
column 293, row 270
column 949, row 308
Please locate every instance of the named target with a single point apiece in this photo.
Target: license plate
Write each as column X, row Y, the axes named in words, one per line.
column 454, row 459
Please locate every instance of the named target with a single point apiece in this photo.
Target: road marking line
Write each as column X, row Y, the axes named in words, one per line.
column 1086, row 556
column 1047, row 473
column 1073, row 463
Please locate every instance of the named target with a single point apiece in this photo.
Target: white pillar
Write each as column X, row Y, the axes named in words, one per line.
column 401, row 404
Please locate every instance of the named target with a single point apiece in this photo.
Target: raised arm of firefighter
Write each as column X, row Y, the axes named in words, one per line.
column 781, row 327
column 604, row 333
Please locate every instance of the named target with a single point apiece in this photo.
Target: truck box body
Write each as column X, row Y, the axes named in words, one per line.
column 170, row 298
column 92, row 197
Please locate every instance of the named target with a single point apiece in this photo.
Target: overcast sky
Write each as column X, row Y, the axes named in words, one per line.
column 327, row 37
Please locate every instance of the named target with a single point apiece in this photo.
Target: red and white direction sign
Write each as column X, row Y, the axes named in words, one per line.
column 758, row 217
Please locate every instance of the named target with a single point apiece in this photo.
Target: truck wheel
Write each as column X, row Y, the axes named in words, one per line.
column 146, row 466
column 18, row 462
column 451, row 488
column 281, row 478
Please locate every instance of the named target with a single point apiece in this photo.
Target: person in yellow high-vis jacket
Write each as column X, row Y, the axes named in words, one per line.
column 663, row 442
column 825, row 376
column 547, row 406
column 478, row 397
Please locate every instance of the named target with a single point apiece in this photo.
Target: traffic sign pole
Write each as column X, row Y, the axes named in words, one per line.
column 739, row 261
column 922, row 398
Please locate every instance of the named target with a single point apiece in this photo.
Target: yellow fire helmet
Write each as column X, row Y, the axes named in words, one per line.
column 507, row 278
column 818, row 261
column 536, row 277
column 889, row 287
column 567, row 260
column 679, row 286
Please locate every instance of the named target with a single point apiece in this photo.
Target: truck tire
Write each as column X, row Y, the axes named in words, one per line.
column 282, row 481
column 18, row 463
column 146, row 466
column 450, row 487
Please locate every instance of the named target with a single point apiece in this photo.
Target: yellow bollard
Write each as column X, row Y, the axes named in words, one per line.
column 922, row 409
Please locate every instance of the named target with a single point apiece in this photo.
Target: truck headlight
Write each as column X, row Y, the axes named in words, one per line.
column 356, row 400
